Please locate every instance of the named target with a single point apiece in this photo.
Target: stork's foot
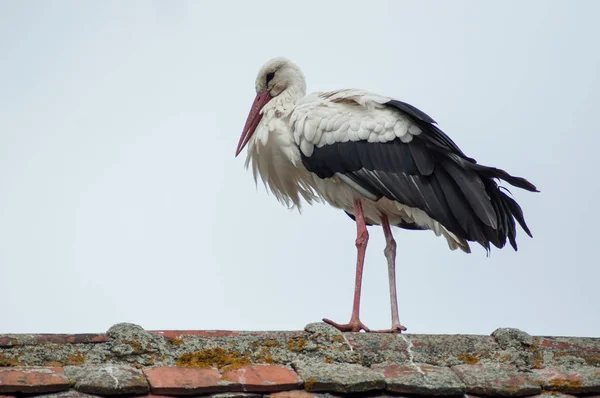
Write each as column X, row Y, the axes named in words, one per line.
column 395, row 329
column 355, row 325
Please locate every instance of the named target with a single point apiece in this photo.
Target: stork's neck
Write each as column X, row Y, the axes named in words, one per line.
column 285, row 101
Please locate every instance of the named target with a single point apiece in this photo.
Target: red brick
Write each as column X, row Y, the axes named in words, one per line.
column 32, row 380
column 185, row 381
column 264, row 378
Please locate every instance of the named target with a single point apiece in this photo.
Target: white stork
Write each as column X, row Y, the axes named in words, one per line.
column 383, row 161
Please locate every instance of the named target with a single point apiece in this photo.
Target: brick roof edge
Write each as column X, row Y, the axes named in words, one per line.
column 318, row 361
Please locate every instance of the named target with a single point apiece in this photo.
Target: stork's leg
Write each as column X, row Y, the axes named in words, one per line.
column 362, row 237
column 390, row 255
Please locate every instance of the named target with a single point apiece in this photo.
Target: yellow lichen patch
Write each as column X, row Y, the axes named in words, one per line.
column 216, row 357
column 271, row 343
column 265, row 356
column 308, row 384
column 135, row 345
column 5, row 361
column 328, row 359
column 468, row 358
column 592, row 359
column 565, row 384
column 538, row 360
column 262, row 350
column 537, row 364
column 75, row 359
column 177, row 341
column 338, row 339
column 296, row 344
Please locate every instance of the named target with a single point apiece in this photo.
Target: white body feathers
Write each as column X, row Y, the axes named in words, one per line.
column 293, row 123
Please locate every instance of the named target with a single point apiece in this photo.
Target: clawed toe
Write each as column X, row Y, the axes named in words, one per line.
column 353, row 326
column 395, row 329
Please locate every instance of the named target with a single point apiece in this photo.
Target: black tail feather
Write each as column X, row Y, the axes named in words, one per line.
column 517, row 212
column 493, row 172
column 506, row 209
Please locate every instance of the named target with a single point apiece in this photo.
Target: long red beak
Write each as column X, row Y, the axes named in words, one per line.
column 253, row 119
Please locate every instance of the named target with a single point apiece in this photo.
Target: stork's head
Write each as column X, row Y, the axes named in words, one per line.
column 275, row 78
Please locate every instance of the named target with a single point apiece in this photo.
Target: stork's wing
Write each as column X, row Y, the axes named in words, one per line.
column 387, row 148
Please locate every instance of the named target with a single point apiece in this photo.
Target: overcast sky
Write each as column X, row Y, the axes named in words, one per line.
column 121, row 199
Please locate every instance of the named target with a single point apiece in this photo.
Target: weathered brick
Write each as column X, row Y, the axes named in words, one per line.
column 67, row 394
column 236, row 395
column 576, row 379
column 297, row 394
column 168, row 380
column 307, row 394
column 556, row 351
column 157, row 396
column 173, row 334
column 450, row 350
column 496, row 379
column 39, row 339
column 339, row 377
column 379, row 347
column 421, row 379
column 32, row 380
column 263, row 378
column 8, row 341
column 109, row 379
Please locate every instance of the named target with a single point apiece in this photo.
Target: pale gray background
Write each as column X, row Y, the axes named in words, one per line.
column 121, row 201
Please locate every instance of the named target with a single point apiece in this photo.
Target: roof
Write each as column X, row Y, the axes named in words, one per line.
column 316, row 362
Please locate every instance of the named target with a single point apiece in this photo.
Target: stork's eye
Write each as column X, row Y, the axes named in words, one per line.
column 270, row 77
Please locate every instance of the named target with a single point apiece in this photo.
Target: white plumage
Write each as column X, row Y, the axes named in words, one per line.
column 295, row 123
column 382, row 161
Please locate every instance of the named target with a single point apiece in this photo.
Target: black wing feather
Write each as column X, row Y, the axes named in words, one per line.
column 411, row 110
column 474, row 191
column 423, row 159
column 433, row 174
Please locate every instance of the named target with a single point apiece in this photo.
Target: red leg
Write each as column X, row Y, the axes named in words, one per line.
column 362, row 237
column 390, row 254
